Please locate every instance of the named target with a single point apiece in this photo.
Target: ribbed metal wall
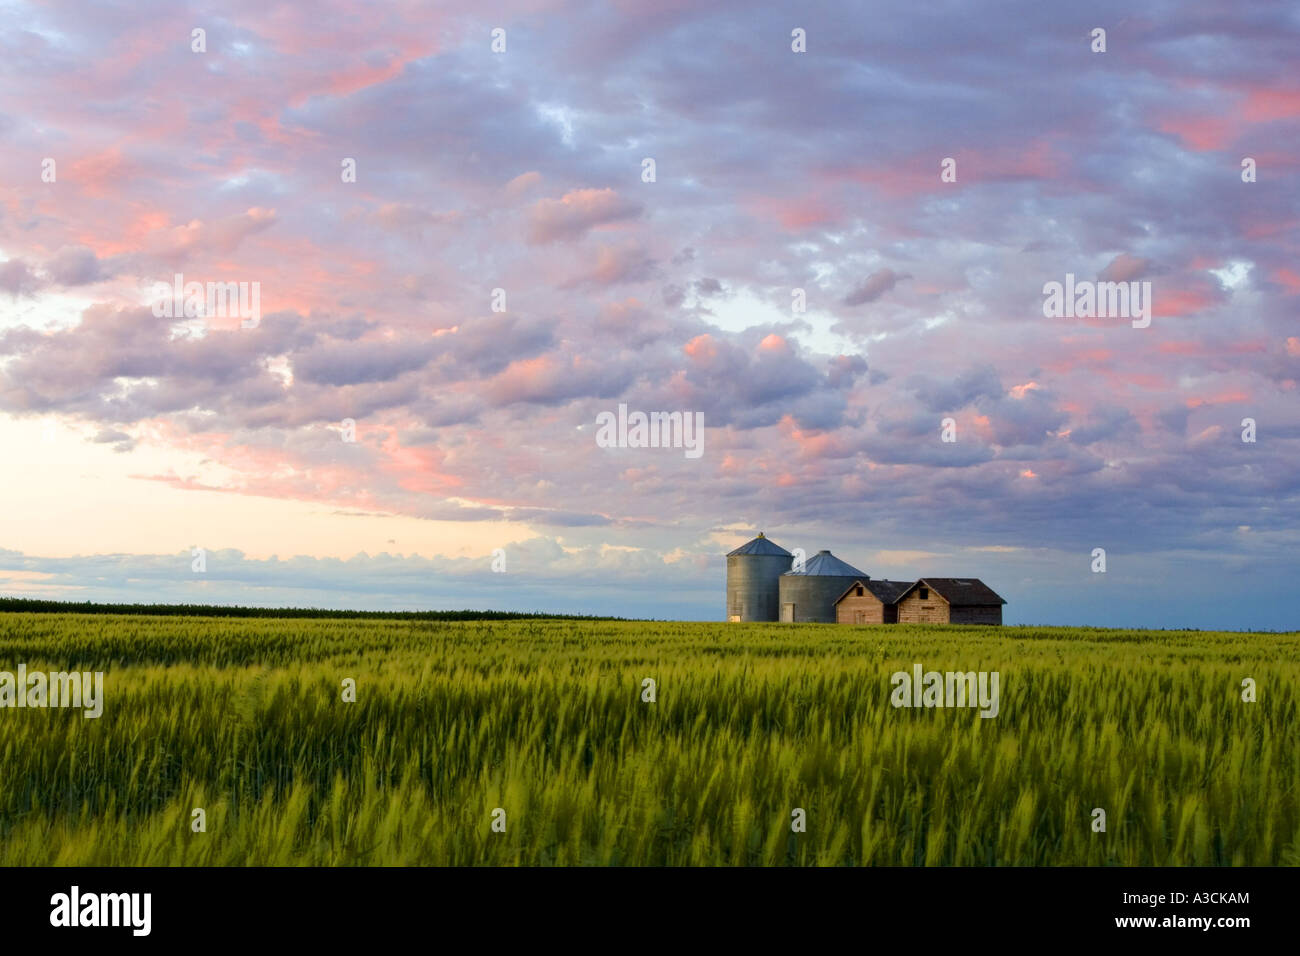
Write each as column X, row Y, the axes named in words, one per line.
column 753, row 585
column 813, row 592
column 813, row 596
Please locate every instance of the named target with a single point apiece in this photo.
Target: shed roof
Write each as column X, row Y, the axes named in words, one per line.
column 962, row 592
column 761, row 545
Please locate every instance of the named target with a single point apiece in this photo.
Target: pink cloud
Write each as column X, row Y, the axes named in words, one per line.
column 1124, row 268
column 522, row 183
column 1201, row 133
column 1289, row 278
column 220, row 236
column 576, row 213
column 702, row 348
column 1264, row 105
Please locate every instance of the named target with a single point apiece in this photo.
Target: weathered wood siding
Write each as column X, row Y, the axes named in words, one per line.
column 913, row 610
column 976, row 614
column 866, row 609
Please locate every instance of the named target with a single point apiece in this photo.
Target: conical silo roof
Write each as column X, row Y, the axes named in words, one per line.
column 825, row 564
column 761, row 545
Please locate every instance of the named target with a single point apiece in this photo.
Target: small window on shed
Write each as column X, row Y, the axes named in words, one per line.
column 923, row 593
column 858, row 591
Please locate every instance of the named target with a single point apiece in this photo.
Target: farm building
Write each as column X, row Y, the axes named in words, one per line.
column 808, row 595
column 950, row 601
column 762, row 585
column 870, row 602
column 753, row 579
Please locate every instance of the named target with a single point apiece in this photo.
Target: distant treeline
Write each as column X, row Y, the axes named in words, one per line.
column 221, row 610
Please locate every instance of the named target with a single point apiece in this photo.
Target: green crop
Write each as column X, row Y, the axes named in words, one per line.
column 244, row 718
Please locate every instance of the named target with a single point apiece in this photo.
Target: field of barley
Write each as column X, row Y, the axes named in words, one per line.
column 544, row 719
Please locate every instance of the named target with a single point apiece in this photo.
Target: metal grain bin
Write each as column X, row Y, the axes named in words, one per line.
column 809, row 595
column 753, row 572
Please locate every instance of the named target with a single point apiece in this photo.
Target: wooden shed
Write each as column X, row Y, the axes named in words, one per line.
column 870, row 602
column 950, row 601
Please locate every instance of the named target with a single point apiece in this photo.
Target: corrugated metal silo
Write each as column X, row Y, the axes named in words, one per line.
column 753, row 572
column 809, row 595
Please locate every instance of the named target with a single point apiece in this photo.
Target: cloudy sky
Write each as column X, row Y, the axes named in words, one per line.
column 131, row 439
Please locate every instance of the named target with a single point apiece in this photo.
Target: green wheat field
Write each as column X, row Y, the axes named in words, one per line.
column 544, row 719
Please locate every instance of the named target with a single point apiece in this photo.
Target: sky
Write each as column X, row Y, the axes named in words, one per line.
column 475, row 228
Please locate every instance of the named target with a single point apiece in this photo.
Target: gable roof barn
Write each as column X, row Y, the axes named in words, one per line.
column 959, row 592
column 886, row 592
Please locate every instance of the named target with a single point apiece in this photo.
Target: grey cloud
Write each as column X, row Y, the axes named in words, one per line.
column 354, row 363
column 17, row 278
column 875, row 285
column 949, row 395
column 574, row 214
column 75, row 265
